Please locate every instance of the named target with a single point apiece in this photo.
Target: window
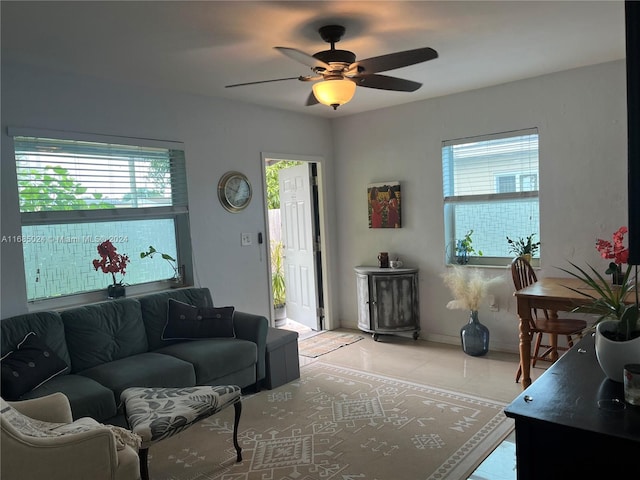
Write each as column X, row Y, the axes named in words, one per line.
column 76, row 193
column 516, row 183
column 505, row 183
column 490, row 186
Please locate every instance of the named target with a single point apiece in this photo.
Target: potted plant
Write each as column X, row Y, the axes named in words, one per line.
column 464, row 248
column 469, row 287
column 617, row 338
column 277, row 280
column 112, row 262
column 523, row 247
column 615, row 251
column 177, row 277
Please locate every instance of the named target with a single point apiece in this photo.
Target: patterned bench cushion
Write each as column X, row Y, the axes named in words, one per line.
column 159, row 413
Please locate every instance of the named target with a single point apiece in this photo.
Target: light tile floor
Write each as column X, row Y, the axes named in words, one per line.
column 500, row 465
column 446, row 366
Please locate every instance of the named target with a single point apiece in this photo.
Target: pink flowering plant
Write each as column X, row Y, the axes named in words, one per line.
column 606, row 300
column 111, row 261
column 615, row 251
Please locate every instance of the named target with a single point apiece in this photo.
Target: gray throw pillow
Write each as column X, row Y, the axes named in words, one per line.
column 31, row 364
column 188, row 322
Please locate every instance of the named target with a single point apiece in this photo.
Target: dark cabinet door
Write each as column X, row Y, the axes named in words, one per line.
column 388, row 300
column 394, row 299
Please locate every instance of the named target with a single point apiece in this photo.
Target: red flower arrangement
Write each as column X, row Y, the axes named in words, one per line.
column 110, row 261
column 616, row 251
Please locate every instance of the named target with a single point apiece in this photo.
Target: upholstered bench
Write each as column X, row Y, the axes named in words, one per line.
column 282, row 362
column 158, row 413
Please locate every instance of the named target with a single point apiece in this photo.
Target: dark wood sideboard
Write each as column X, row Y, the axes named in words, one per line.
column 566, row 425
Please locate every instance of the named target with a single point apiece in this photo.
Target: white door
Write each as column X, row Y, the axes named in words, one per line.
column 296, row 206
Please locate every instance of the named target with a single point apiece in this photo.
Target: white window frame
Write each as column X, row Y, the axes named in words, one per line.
column 452, row 202
column 178, row 213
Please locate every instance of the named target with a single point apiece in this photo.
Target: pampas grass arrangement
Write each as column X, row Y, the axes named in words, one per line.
column 469, row 287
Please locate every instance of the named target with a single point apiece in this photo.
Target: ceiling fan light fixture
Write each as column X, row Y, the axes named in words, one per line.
column 334, row 92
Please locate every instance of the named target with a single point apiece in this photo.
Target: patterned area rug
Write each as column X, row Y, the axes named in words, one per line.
column 325, row 342
column 337, row 423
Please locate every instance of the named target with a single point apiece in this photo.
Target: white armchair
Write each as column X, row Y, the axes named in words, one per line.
column 40, row 440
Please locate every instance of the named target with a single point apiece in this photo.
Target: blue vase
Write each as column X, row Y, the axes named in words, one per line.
column 474, row 336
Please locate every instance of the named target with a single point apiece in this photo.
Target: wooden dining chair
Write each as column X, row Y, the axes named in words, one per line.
column 543, row 321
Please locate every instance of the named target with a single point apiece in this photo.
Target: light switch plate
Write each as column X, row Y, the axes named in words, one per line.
column 245, row 239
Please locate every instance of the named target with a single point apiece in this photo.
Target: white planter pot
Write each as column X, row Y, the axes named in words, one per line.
column 613, row 356
column 280, row 316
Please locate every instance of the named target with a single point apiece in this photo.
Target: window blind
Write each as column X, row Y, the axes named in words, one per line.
column 72, row 175
column 491, row 188
column 77, row 190
column 495, row 164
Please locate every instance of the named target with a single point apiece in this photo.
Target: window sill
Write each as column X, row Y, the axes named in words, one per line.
column 492, row 263
column 97, row 296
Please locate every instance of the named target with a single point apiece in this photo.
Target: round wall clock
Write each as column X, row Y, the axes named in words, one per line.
column 234, row 191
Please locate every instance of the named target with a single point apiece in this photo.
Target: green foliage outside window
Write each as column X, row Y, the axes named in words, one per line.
column 54, row 187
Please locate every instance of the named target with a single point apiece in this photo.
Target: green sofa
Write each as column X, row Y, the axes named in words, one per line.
column 113, row 345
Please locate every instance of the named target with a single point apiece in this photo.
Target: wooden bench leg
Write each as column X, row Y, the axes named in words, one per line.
column 238, row 411
column 143, row 454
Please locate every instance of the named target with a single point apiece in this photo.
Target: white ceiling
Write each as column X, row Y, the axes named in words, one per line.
column 199, row 47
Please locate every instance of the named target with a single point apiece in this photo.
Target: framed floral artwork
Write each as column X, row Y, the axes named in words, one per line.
column 384, row 200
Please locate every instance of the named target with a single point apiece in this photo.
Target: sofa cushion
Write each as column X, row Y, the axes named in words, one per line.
column 86, row 396
column 104, row 332
column 215, row 358
column 27, row 367
column 155, row 306
column 186, row 322
column 143, row 370
column 47, row 325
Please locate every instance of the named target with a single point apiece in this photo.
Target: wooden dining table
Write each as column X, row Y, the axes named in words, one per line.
column 554, row 295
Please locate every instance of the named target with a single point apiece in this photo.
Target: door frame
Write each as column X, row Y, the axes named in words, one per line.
column 324, row 291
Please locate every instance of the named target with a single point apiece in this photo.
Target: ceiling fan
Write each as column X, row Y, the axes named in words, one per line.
column 339, row 73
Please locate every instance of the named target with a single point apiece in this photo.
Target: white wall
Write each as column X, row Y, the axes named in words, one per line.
column 580, row 114
column 581, row 117
column 218, row 136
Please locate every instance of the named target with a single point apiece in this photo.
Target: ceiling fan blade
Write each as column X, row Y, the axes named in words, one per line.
column 392, row 61
column 384, row 82
column 311, row 100
column 301, row 78
column 302, row 57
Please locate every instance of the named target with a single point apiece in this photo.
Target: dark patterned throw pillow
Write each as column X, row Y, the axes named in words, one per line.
column 27, row 367
column 188, row 322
